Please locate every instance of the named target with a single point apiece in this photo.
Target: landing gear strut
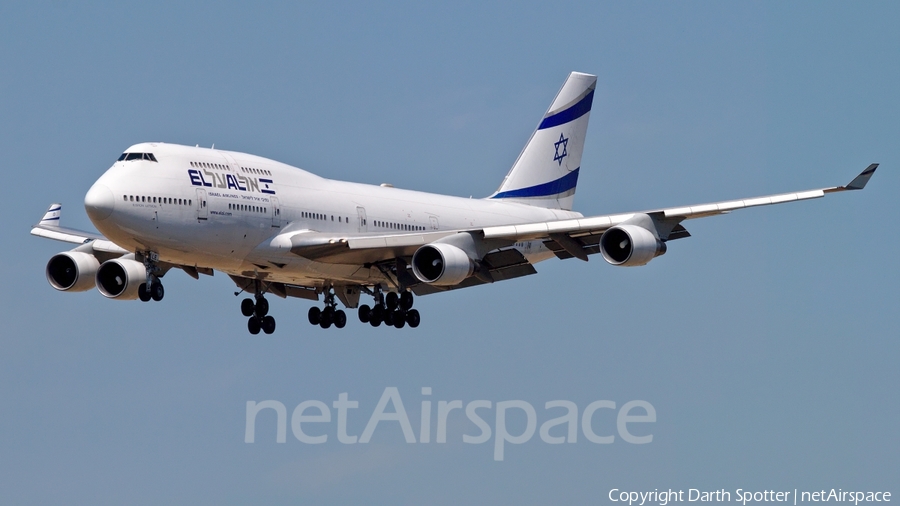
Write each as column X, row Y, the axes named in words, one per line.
column 153, row 288
column 329, row 315
column 258, row 313
column 392, row 309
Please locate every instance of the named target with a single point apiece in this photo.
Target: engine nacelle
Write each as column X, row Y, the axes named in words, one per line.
column 120, row 278
column 630, row 245
column 72, row 271
column 442, row 264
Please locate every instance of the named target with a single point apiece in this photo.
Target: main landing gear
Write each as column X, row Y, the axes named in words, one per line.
column 393, row 310
column 258, row 313
column 328, row 316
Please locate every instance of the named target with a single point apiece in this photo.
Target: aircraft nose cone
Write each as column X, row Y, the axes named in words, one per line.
column 99, row 202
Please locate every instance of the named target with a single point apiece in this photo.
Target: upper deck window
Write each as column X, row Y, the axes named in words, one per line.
column 137, row 156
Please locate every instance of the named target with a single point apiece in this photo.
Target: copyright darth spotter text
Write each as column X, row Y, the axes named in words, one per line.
column 744, row 497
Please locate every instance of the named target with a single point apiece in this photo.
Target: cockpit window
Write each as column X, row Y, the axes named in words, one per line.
column 137, row 156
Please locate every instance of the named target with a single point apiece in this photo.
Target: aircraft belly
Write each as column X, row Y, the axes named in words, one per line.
column 306, row 273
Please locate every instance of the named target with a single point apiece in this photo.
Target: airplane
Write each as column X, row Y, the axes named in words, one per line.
column 280, row 230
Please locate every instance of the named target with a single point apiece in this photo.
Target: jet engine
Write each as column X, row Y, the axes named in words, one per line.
column 442, row 264
column 72, row 271
column 630, row 245
column 120, row 278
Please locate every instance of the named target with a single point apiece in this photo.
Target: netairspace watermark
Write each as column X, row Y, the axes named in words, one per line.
column 311, row 412
column 744, row 497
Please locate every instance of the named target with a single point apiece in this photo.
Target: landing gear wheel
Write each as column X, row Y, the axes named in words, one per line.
column 262, row 307
column 253, row 325
column 247, row 307
column 377, row 316
column 365, row 313
column 406, row 301
column 268, row 324
column 389, row 318
column 399, row 319
column 157, row 291
column 391, row 300
column 143, row 293
column 340, row 318
column 327, row 318
column 315, row 315
column 412, row 318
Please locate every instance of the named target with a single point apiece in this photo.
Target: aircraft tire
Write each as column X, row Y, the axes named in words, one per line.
column 413, row 318
column 247, row 307
column 391, row 300
column 399, row 320
column 268, row 324
column 143, row 293
column 406, row 301
column 364, row 313
column 340, row 318
column 314, row 315
column 157, row 292
column 262, row 307
column 253, row 325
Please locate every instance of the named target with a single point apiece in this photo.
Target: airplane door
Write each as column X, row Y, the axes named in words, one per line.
column 202, row 208
column 276, row 213
column 434, row 222
column 363, row 222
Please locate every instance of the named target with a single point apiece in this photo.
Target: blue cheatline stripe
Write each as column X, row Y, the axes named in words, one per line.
column 51, row 219
column 572, row 113
column 54, row 209
column 555, row 187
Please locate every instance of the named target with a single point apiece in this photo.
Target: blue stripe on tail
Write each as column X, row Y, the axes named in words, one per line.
column 572, row 113
column 554, row 187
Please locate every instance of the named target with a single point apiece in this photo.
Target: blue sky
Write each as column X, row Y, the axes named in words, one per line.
column 767, row 342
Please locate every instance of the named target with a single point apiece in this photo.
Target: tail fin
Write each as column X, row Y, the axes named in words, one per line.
column 546, row 172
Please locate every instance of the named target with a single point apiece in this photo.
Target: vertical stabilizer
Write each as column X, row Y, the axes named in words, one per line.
column 546, row 172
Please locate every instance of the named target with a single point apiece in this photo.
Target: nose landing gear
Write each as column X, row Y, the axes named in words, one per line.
column 153, row 288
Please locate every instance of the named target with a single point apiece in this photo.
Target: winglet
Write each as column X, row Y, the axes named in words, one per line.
column 859, row 182
column 51, row 217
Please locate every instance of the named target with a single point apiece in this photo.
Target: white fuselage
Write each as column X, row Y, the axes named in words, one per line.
column 219, row 209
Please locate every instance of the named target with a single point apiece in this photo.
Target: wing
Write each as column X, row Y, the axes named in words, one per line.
column 566, row 238
column 49, row 227
column 580, row 237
